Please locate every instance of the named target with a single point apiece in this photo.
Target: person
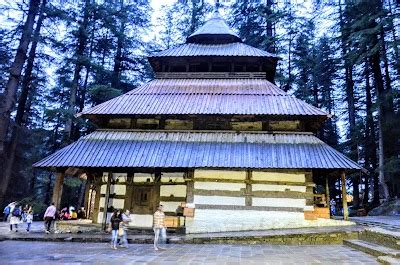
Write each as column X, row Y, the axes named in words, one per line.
column 74, row 215
column 29, row 220
column 25, row 212
column 81, row 213
column 7, row 211
column 333, row 206
column 159, row 227
column 15, row 218
column 125, row 223
column 114, row 224
column 49, row 216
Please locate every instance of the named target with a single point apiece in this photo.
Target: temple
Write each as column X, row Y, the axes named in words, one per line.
column 212, row 138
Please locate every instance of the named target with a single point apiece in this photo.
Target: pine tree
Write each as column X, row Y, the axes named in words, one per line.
column 9, row 99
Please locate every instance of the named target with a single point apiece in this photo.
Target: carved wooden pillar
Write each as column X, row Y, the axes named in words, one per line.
column 58, row 188
column 344, row 196
column 248, row 191
column 106, row 199
column 328, row 197
column 190, row 186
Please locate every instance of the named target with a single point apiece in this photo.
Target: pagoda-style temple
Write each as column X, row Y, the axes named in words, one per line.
column 212, row 138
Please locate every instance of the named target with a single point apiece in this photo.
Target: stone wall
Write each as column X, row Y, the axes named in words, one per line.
column 239, row 200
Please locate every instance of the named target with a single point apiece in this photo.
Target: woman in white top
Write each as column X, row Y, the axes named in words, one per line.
column 15, row 217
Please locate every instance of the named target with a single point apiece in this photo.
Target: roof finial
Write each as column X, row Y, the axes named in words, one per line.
column 217, row 6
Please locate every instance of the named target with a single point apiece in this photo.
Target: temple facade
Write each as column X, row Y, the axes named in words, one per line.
column 211, row 138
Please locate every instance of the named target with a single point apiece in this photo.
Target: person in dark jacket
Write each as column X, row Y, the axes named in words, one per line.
column 115, row 222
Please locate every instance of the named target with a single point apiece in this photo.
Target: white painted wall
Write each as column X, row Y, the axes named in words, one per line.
column 117, row 203
column 176, row 190
column 219, row 200
column 219, row 186
column 174, row 177
column 103, row 189
column 278, row 176
column 142, row 177
column 208, row 221
column 269, row 187
column 170, row 206
column 141, row 220
column 118, row 189
column 220, row 174
column 279, row 202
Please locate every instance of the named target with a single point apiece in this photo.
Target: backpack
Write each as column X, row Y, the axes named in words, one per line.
column 16, row 212
column 7, row 210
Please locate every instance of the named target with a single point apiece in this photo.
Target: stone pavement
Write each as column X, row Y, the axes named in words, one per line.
column 23, row 252
column 386, row 222
column 300, row 236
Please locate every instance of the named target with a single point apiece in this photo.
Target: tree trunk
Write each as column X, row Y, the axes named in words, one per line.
column 270, row 27
column 116, row 75
column 82, row 39
column 394, row 40
column 16, row 131
column 382, row 110
column 49, row 189
column 350, row 103
column 370, row 143
column 8, row 103
column 82, row 190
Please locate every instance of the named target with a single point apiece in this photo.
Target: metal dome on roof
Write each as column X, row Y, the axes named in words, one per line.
column 214, row 31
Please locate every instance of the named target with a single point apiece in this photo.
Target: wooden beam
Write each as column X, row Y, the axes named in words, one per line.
column 58, row 189
column 104, row 221
column 248, row 191
column 344, row 196
column 328, row 197
column 190, row 187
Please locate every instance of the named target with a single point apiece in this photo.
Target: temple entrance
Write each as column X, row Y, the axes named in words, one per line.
column 91, row 202
column 144, row 199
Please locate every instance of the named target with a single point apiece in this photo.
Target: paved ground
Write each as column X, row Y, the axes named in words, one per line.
column 37, row 234
column 382, row 220
column 19, row 252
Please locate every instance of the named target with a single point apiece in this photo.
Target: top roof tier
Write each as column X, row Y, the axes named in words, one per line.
column 214, row 31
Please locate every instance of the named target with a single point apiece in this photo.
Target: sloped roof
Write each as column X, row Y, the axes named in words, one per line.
column 206, row 96
column 216, row 25
column 198, row 149
column 227, row 49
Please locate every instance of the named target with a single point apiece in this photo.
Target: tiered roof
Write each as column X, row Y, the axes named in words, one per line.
column 185, row 149
column 240, row 93
column 207, row 96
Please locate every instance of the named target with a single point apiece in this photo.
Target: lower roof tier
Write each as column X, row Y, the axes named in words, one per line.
column 198, row 149
column 206, row 96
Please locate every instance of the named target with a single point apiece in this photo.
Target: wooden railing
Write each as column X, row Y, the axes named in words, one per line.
column 211, row 75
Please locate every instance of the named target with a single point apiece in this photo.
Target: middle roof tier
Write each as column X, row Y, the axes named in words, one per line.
column 206, row 96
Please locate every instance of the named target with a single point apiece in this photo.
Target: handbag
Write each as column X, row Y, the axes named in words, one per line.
column 121, row 231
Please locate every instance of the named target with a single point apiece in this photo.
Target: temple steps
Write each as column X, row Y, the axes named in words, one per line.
column 372, row 248
column 378, row 245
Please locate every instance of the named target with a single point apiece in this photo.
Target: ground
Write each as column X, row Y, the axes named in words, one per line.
column 28, row 252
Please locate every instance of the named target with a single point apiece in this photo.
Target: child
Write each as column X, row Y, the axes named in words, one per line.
column 29, row 219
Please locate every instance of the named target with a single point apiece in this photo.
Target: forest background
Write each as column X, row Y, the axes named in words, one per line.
column 59, row 57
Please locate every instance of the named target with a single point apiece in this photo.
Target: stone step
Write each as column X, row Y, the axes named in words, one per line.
column 387, row 260
column 382, row 237
column 372, row 248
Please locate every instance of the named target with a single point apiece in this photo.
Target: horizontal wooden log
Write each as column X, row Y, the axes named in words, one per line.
column 172, row 199
column 114, row 196
column 258, row 194
column 249, row 208
column 250, row 181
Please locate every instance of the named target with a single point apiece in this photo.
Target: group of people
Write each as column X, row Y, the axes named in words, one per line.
column 119, row 223
column 15, row 214
column 71, row 214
